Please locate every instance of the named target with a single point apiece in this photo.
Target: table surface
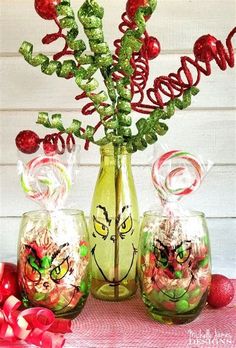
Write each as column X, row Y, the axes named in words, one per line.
column 127, row 325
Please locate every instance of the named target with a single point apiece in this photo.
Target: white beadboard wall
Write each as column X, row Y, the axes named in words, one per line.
column 207, row 128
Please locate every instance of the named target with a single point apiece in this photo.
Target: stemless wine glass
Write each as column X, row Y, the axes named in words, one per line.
column 174, row 266
column 54, row 261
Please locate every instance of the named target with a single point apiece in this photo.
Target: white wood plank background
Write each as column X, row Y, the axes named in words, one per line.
column 207, row 128
column 216, row 91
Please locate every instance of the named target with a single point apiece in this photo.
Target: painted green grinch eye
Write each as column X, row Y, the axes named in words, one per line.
column 60, row 271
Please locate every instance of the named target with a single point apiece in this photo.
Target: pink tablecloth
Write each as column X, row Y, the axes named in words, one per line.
column 127, row 325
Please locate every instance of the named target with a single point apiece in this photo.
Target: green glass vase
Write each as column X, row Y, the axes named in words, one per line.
column 114, row 227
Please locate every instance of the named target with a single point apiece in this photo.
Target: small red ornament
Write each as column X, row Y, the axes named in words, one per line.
column 46, row 8
column 152, row 47
column 27, row 141
column 8, row 281
column 133, row 5
column 221, row 291
column 205, row 48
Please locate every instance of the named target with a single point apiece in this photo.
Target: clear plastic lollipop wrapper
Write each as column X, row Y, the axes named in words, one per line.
column 175, row 175
column 53, row 248
column 46, row 177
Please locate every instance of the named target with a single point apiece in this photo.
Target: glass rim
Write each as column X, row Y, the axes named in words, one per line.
column 44, row 211
column 190, row 214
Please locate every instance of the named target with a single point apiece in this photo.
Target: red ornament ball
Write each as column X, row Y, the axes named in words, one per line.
column 8, row 281
column 133, row 5
column 46, row 8
column 221, row 291
column 205, row 47
column 27, row 142
column 152, row 47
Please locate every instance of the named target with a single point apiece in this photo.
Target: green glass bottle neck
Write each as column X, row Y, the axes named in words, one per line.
column 115, row 156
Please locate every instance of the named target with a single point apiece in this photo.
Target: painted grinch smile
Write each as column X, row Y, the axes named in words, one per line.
column 176, row 298
column 113, row 282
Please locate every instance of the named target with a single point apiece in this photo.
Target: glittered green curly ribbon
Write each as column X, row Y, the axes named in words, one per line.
column 148, row 128
column 54, row 122
column 102, row 57
column 131, row 42
column 68, row 21
column 90, row 15
column 48, row 66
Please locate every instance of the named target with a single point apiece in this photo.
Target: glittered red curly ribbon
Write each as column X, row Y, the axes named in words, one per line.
column 189, row 74
column 36, row 326
column 60, row 145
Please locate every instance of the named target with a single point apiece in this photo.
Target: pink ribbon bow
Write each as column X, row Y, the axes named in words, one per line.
column 36, row 326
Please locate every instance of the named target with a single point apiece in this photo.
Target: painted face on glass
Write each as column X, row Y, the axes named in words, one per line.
column 124, row 222
column 102, row 232
column 51, row 274
column 172, row 263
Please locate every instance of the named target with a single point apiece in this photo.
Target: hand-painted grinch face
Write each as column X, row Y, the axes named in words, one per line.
column 50, row 275
column 173, row 263
column 123, row 228
column 53, row 268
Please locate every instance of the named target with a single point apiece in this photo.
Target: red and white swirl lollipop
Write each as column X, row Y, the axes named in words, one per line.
column 46, row 180
column 180, row 180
